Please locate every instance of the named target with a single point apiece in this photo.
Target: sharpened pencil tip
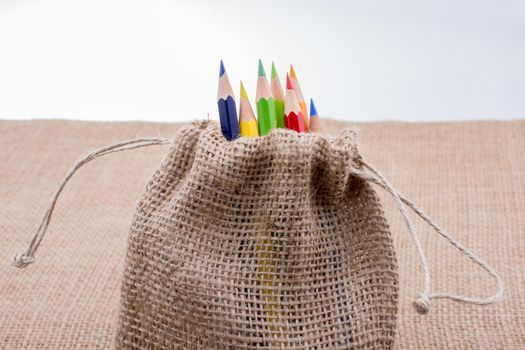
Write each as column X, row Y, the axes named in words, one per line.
column 292, row 72
column 222, row 70
column 243, row 91
column 289, row 84
column 274, row 71
column 313, row 110
column 262, row 73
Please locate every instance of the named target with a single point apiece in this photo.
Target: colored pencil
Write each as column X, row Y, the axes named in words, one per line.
column 300, row 97
column 265, row 104
column 292, row 112
column 315, row 122
column 278, row 96
column 227, row 108
column 247, row 121
column 267, row 268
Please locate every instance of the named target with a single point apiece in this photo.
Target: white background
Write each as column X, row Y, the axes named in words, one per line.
column 360, row 60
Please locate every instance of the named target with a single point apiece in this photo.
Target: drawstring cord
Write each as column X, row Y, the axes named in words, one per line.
column 368, row 173
column 422, row 303
column 28, row 257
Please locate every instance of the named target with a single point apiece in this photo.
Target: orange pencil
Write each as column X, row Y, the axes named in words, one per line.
column 293, row 115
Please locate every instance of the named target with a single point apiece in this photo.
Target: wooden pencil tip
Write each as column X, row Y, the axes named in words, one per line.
column 262, row 73
column 243, row 91
column 222, row 70
column 289, row 84
column 274, row 71
column 292, row 72
column 313, row 110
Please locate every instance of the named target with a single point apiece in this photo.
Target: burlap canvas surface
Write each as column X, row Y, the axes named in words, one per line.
column 269, row 243
column 468, row 176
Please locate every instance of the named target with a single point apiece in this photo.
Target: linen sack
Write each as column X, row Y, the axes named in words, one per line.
column 267, row 243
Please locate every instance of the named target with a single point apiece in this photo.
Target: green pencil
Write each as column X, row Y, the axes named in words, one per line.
column 278, row 95
column 265, row 104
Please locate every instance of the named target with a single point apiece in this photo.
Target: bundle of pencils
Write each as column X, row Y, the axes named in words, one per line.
column 275, row 109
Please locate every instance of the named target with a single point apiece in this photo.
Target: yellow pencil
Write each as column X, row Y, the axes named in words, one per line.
column 267, row 267
column 247, row 121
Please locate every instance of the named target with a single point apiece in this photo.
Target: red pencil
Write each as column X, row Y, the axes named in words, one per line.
column 293, row 116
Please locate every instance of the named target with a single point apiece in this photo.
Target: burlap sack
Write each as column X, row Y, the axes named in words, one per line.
column 277, row 242
column 259, row 243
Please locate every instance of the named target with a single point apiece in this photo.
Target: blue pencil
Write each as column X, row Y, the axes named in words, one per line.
column 227, row 107
column 315, row 122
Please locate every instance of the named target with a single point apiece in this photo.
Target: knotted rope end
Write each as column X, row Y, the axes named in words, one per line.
column 422, row 304
column 22, row 260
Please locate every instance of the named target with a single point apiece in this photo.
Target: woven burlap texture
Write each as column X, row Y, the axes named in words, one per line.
column 468, row 176
column 259, row 243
